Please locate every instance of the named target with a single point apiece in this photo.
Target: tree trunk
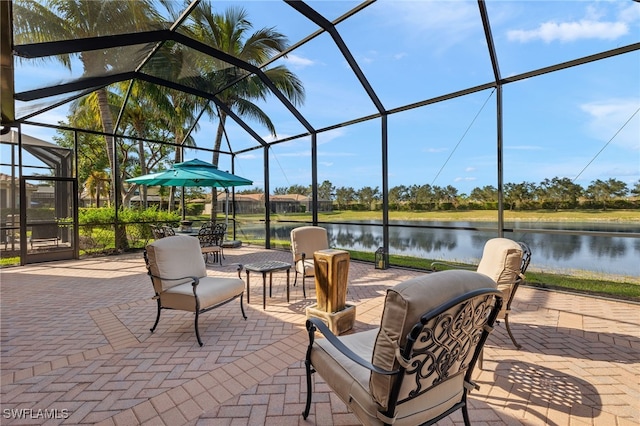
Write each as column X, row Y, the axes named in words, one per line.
column 214, row 161
column 172, row 190
column 106, row 117
column 143, row 170
column 98, row 189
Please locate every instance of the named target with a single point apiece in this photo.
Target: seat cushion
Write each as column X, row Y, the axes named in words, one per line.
column 349, row 380
column 210, row 291
column 306, row 268
column 175, row 257
column 404, row 305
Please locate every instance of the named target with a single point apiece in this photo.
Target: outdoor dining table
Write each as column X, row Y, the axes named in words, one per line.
column 267, row 267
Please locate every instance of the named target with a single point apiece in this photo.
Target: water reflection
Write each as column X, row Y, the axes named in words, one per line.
column 603, row 254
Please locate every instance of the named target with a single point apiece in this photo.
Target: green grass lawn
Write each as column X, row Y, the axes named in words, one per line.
column 474, row 215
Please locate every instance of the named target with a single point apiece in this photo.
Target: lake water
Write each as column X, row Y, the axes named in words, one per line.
column 610, row 254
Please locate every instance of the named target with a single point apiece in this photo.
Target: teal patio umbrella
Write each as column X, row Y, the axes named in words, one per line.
column 193, row 173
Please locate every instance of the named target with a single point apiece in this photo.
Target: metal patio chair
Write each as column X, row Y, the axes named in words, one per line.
column 416, row 368
column 505, row 261
column 180, row 281
column 306, row 240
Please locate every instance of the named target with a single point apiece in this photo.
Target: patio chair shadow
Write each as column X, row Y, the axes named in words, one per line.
column 571, row 342
column 531, row 387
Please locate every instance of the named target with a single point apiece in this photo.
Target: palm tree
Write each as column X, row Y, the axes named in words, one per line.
column 183, row 110
column 229, row 33
column 97, row 185
column 52, row 20
column 137, row 115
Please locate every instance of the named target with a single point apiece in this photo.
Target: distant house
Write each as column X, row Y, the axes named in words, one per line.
column 296, row 203
column 254, row 204
column 7, row 188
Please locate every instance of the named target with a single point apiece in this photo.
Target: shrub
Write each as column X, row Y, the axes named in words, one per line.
column 96, row 226
column 194, row 209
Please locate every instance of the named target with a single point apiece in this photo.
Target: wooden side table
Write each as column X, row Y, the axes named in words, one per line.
column 267, row 267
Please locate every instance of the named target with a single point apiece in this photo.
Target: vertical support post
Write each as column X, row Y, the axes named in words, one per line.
column 498, row 80
column 499, row 154
column 76, row 200
column 267, row 202
column 23, row 203
column 314, row 178
column 385, row 182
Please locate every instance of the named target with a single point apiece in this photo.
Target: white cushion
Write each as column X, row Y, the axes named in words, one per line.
column 210, row 291
column 175, row 257
column 501, row 259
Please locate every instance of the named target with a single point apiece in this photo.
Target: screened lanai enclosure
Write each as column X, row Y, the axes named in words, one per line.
column 416, row 128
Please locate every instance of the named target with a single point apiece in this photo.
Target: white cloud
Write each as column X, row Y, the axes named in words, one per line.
column 465, row 179
column 330, row 135
column 435, row 150
column 298, row 62
column 630, row 14
column 571, row 31
column 247, row 156
column 366, row 60
column 470, row 169
column 617, row 120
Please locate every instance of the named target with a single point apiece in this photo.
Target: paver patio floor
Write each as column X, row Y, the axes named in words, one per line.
column 76, row 345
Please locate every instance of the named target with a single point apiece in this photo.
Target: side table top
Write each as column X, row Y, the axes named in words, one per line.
column 267, row 266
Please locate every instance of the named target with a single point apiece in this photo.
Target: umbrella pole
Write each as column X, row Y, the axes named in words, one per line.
column 226, row 212
column 182, row 202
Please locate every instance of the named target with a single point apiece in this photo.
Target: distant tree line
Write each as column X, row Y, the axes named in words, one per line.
column 554, row 194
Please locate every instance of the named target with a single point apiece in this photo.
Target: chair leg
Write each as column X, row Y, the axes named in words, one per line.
column 157, row 317
column 304, row 292
column 513, row 339
column 307, row 407
column 242, row 306
column 311, row 329
column 197, row 332
column 465, row 415
column 295, row 278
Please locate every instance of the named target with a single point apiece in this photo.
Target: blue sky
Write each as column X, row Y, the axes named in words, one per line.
column 582, row 123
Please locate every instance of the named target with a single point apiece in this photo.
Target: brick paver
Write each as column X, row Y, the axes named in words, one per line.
column 76, row 349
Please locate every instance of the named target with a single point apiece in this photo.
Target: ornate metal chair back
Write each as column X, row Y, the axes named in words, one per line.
column 444, row 345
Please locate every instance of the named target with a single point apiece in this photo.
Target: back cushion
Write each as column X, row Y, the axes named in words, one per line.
column 403, row 307
column 501, row 259
column 308, row 239
column 175, row 257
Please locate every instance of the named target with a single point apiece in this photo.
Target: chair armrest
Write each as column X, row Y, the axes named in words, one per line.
column 240, row 268
column 314, row 324
column 297, row 257
column 452, row 266
column 195, row 280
